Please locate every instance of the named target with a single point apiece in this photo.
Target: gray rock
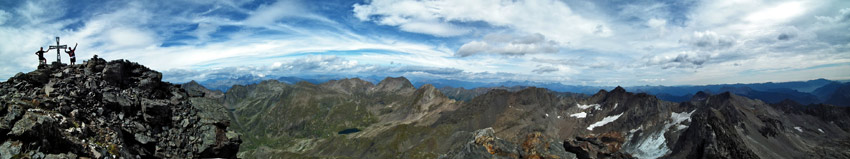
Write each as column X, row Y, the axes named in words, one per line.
column 14, row 111
column 185, row 123
column 48, row 88
column 115, row 108
column 61, row 156
column 34, row 124
column 150, row 80
column 9, row 149
column 144, row 139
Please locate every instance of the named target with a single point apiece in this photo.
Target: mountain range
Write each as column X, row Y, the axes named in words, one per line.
column 120, row 109
column 806, row 92
column 394, row 119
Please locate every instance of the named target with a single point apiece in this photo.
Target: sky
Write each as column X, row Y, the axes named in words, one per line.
column 593, row 42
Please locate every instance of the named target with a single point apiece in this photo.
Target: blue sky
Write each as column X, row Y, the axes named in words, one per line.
column 676, row 42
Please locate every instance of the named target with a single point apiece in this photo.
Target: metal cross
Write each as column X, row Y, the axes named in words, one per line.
column 58, row 47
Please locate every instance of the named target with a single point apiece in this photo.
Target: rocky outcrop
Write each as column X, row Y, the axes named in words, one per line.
column 711, row 136
column 193, row 89
column 101, row 109
column 484, row 144
column 606, row 145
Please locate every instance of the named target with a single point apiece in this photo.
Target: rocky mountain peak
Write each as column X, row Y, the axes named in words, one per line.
column 700, row 96
column 348, row 85
column 395, row 84
column 101, row 109
column 602, row 91
column 618, row 89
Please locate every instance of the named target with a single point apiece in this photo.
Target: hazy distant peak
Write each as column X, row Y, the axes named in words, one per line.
column 393, row 84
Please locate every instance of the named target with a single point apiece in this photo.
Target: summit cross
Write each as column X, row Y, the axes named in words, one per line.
column 58, row 47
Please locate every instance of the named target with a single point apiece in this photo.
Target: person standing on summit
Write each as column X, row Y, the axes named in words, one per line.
column 41, row 59
column 71, row 53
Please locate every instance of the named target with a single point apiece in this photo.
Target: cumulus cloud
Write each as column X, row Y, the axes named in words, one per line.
column 4, row 16
column 843, row 16
column 576, row 62
column 681, row 60
column 548, row 17
column 409, row 16
column 508, row 44
column 335, row 67
column 268, row 15
column 544, row 69
column 708, row 40
column 599, row 42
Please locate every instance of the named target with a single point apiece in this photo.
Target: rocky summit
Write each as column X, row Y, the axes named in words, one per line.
column 100, row 109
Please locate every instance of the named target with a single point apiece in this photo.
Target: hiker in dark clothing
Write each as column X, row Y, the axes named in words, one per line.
column 41, row 59
column 71, row 54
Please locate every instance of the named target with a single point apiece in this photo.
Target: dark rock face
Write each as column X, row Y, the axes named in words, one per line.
column 104, row 109
column 709, row 136
column 606, row 145
column 196, row 90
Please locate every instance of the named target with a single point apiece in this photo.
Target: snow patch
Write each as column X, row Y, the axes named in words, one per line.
column 547, row 115
column 615, row 105
column 559, row 117
column 636, row 129
column 821, row 131
column 678, row 118
column 579, row 115
column 654, row 146
column 798, row 128
column 681, row 127
column 606, row 120
column 595, row 106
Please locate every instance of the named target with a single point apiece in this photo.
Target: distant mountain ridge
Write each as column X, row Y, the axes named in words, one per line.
column 806, row 92
column 393, row 119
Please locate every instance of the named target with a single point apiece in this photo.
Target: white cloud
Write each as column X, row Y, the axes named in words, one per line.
column 547, row 17
column 127, row 37
column 507, row 44
column 776, row 14
column 266, row 15
column 544, row 69
column 4, row 16
column 434, row 28
column 656, row 23
column 709, row 40
column 574, row 42
column 203, row 31
column 843, row 16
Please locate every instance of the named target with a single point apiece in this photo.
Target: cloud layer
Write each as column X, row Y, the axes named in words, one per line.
column 570, row 42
